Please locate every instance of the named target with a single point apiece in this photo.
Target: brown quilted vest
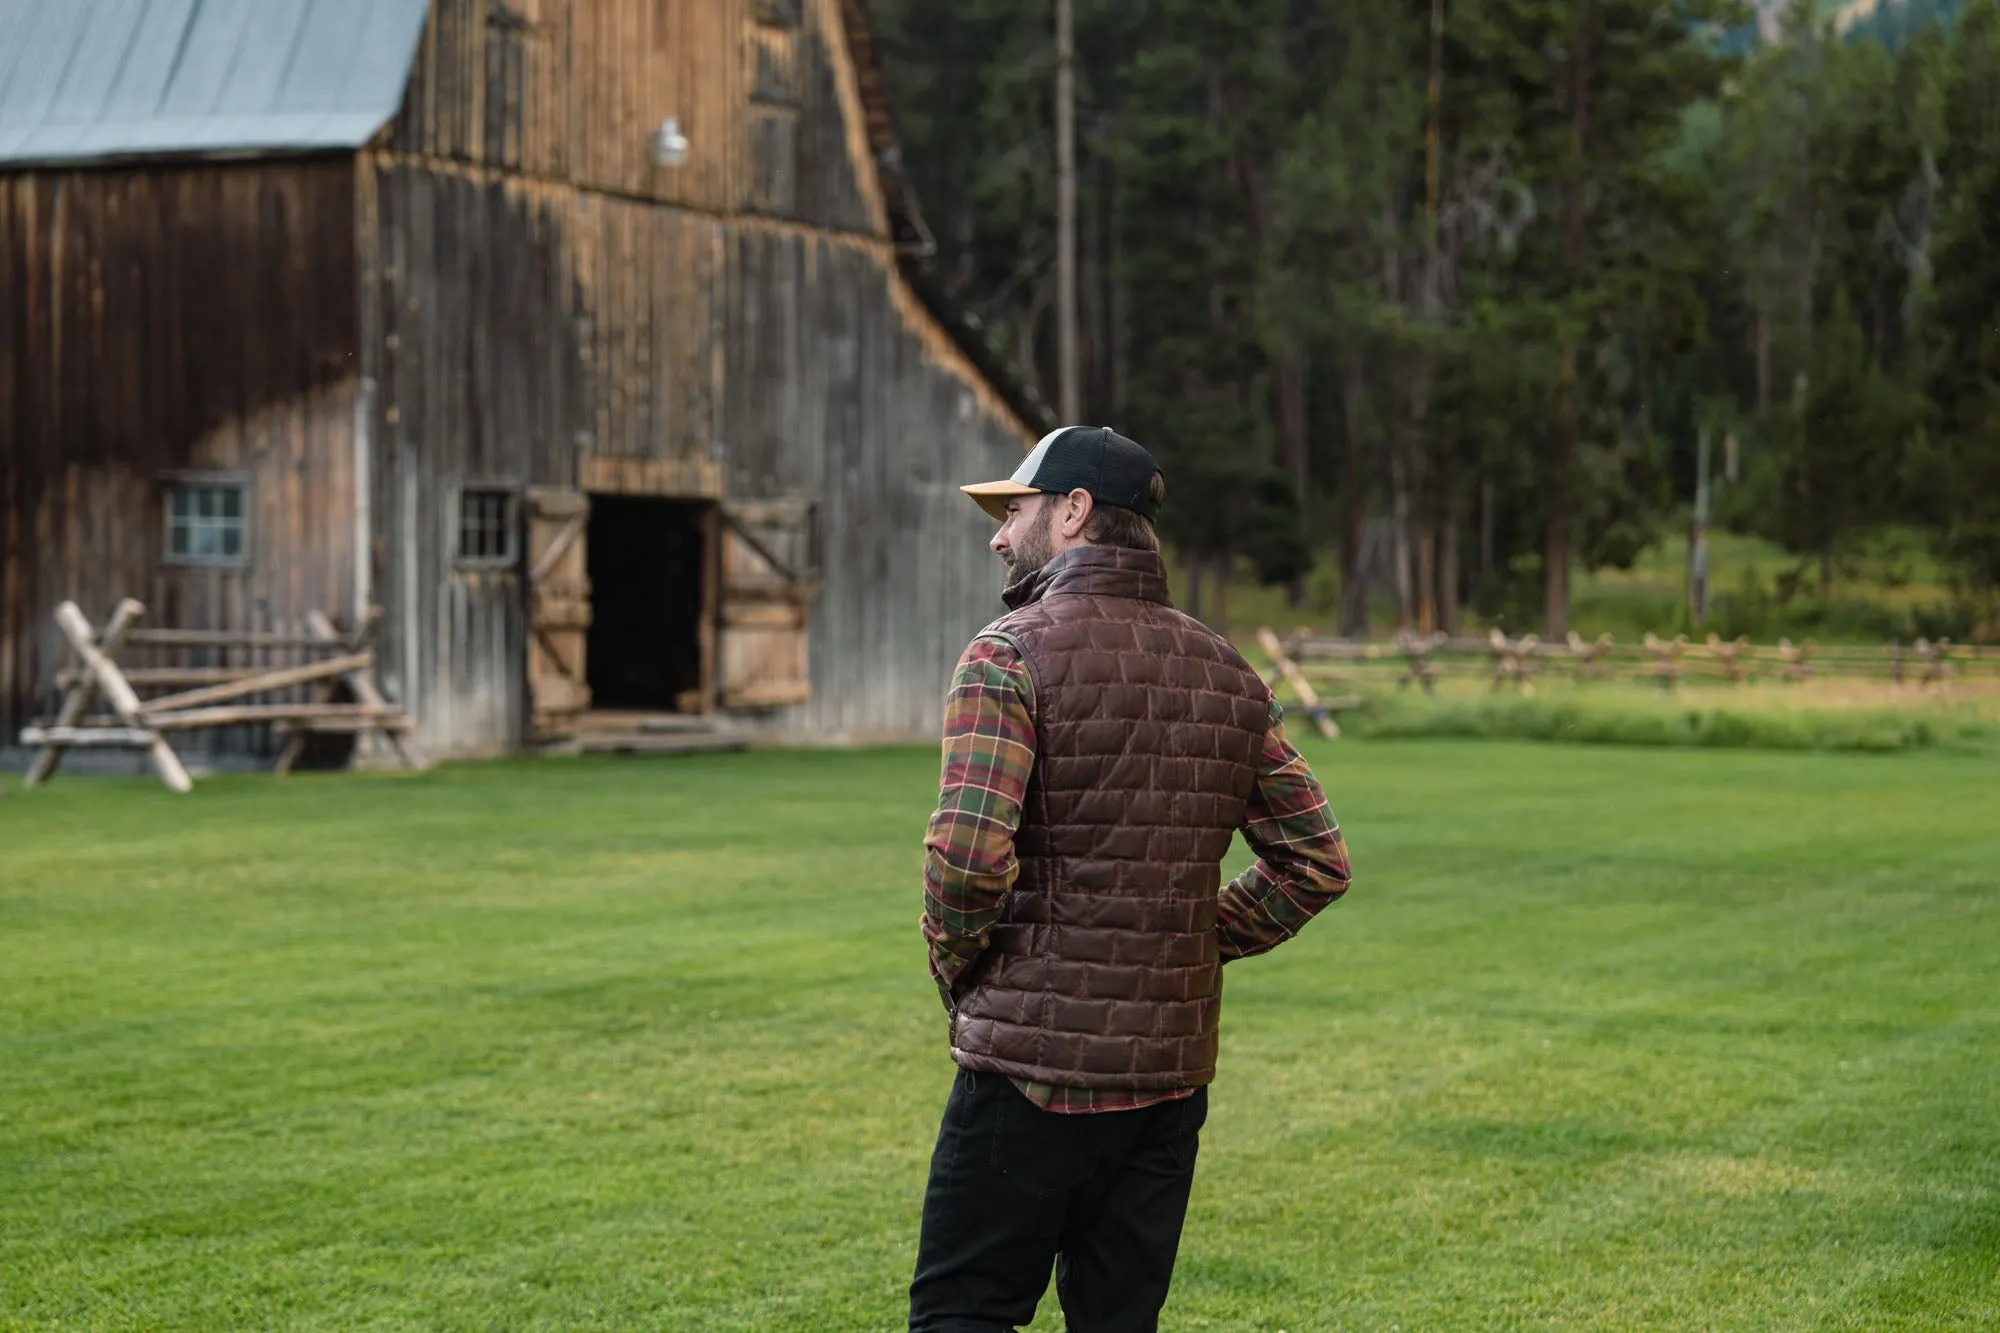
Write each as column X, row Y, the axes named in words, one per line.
column 1104, row 970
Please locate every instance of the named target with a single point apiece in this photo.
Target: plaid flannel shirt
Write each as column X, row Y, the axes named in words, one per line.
column 970, row 869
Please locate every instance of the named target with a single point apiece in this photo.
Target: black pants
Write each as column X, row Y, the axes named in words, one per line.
column 1014, row 1187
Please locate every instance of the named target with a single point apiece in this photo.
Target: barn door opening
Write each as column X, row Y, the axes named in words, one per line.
column 651, row 603
column 770, row 575
column 558, row 610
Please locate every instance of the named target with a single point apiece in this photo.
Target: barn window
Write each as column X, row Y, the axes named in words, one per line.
column 207, row 521
column 488, row 526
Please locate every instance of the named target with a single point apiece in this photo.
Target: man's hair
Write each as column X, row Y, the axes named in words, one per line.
column 1111, row 525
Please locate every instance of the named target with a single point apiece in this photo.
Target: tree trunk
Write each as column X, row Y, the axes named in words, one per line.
column 1101, row 386
column 1575, row 239
column 1294, row 431
column 1486, row 535
column 1121, row 332
column 1698, row 539
column 1224, row 565
column 1294, row 441
column 1068, row 370
column 1353, row 589
column 1448, row 577
column 1399, row 521
column 1763, row 360
column 1427, row 576
column 1562, row 458
column 1420, row 495
column 1090, row 291
column 965, row 224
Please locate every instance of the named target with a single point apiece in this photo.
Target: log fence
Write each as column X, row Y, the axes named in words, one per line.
column 1516, row 663
column 216, row 683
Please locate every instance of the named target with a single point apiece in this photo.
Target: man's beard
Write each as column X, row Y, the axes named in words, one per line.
column 1035, row 548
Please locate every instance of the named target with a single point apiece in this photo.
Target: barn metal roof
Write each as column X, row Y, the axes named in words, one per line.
column 87, row 79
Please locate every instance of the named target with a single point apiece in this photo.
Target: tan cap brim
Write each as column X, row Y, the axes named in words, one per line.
column 992, row 496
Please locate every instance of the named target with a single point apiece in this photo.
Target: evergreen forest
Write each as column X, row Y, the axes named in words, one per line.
column 1463, row 298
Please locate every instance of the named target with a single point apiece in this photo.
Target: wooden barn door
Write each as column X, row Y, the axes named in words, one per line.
column 558, row 610
column 770, row 576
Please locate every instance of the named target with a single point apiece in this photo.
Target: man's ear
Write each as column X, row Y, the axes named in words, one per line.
column 1075, row 515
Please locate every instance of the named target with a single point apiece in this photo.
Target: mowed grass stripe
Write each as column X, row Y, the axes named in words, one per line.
column 1602, row 1038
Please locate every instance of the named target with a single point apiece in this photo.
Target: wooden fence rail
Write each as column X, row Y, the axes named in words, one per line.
column 210, row 695
column 1516, row 663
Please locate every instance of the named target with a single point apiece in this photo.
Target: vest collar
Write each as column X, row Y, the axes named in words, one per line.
column 1094, row 571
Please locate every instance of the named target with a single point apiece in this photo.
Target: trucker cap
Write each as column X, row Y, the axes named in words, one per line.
column 1115, row 470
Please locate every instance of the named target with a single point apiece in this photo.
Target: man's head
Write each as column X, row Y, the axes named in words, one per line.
column 1081, row 486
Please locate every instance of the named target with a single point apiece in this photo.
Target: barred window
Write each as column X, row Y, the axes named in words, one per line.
column 207, row 522
column 488, row 524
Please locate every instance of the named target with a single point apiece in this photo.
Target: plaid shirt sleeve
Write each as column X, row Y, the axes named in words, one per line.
column 1301, row 857
column 989, row 750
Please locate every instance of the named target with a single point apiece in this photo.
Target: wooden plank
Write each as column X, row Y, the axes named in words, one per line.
column 559, row 609
column 123, row 700
column 783, row 613
column 392, row 727
column 1268, row 640
column 81, row 694
column 362, row 683
column 559, row 546
column 679, row 478
column 262, row 682
column 765, row 613
column 711, row 601
column 225, row 638
column 770, row 694
column 141, row 678
column 120, row 738
column 238, row 715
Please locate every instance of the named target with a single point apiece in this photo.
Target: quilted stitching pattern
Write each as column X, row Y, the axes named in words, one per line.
column 1105, row 971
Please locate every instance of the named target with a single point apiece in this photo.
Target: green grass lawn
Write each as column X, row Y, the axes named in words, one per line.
column 1602, row 1038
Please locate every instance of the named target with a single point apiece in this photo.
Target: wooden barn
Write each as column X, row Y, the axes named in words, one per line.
column 580, row 346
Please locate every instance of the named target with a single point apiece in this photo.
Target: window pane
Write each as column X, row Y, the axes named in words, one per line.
column 485, row 525
column 207, row 522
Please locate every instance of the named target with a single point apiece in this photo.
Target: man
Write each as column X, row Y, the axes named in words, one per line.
column 1100, row 749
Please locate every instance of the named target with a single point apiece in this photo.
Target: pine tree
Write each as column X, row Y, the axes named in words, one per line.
column 1602, row 85
column 1965, row 376
column 1205, row 102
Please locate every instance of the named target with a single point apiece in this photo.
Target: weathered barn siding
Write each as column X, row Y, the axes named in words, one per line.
column 504, row 290
column 548, row 307
column 155, row 320
column 836, row 394
column 517, row 329
column 761, row 361
column 572, row 90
